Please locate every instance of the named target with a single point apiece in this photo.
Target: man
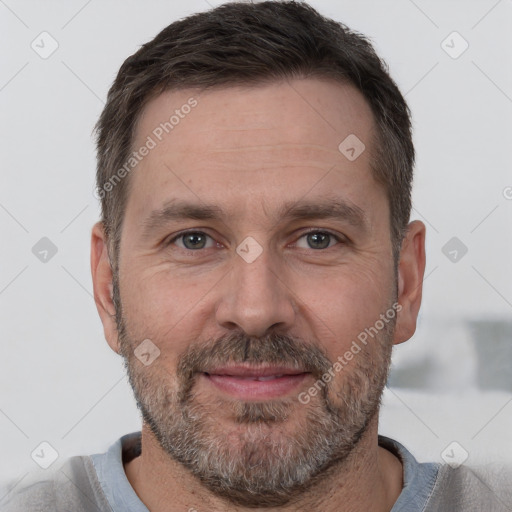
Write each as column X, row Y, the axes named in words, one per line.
column 254, row 266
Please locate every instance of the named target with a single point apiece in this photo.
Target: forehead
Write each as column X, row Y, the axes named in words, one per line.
column 307, row 108
column 271, row 135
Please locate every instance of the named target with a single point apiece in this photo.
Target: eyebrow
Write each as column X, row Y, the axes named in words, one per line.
column 329, row 208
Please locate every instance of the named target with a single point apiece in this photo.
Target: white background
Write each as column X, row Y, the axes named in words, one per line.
column 61, row 383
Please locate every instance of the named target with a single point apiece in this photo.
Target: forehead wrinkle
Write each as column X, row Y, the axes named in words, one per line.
column 309, row 149
column 267, row 157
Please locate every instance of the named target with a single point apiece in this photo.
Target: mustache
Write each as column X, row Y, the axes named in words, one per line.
column 272, row 349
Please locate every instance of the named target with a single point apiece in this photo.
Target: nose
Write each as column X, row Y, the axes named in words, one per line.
column 255, row 298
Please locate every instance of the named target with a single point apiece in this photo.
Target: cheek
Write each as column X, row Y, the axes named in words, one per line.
column 162, row 307
column 369, row 287
column 345, row 305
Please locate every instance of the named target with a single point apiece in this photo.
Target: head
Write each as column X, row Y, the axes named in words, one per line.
column 277, row 140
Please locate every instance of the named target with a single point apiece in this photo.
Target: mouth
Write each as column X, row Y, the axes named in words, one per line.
column 255, row 383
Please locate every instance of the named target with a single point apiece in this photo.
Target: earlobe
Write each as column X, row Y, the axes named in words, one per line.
column 411, row 270
column 102, row 284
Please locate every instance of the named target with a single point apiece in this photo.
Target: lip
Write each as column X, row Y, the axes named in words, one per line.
column 241, row 370
column 241, row 381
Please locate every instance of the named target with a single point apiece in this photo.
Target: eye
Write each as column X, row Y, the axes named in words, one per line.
column 192, row 240
column 196, row 240
column 319, row 239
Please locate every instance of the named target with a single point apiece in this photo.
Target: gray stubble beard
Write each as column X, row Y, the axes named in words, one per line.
column 261, row 462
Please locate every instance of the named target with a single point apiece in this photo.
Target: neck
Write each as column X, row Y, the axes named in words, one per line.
column 369, row 479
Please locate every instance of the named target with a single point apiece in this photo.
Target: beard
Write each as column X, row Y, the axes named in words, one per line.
column 274, row 450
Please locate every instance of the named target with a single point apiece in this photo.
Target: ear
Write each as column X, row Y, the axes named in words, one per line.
column 411, row 270
column 102, row 285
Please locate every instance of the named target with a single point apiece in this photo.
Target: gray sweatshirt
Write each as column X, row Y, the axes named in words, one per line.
column 98, row 483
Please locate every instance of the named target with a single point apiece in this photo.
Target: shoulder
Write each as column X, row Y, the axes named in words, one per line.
column 72, row 486
column 475, row 488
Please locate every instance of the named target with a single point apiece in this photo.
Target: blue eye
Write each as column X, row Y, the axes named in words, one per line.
column 196, row 240
column 192, row 240
column 319, row 239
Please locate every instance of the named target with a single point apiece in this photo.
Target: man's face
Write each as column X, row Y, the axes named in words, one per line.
column 263, row 281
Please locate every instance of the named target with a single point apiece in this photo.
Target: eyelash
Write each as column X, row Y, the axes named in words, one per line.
column 338, row 238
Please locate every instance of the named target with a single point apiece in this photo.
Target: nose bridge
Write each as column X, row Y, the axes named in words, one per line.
column 254, row 298
column 256, row 278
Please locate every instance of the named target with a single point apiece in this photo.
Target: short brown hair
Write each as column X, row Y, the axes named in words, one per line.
column 246, row 44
